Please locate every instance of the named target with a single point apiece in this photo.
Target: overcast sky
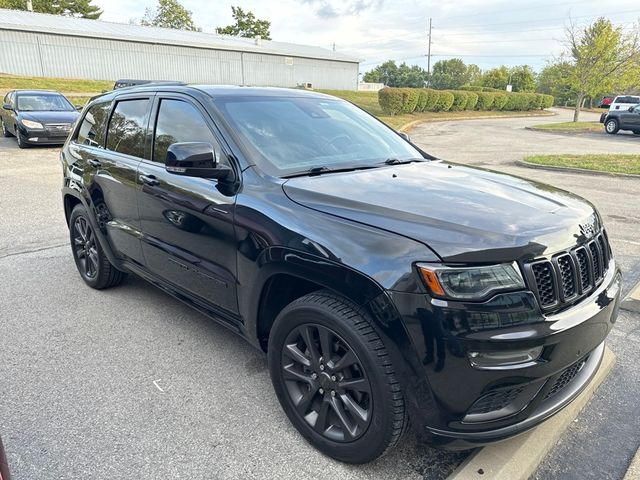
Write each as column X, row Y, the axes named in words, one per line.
column 485, row 32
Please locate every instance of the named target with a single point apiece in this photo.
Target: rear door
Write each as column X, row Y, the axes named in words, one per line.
column 187, row 223
column 110, row 143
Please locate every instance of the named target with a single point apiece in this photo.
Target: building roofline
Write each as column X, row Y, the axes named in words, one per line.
column 17, row 20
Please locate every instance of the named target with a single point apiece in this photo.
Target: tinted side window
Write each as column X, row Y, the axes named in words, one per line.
column 94, row 125
column 127, row 127
column 178, row 121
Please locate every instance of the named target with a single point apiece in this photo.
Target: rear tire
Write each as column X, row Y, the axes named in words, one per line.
column 611, row 126
column 334, row 378
column 92, row 263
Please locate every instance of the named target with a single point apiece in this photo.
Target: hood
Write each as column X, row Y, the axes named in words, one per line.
column 51, row 117
column 463, row 214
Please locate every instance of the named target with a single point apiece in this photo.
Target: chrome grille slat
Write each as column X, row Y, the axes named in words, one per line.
column 569, row 275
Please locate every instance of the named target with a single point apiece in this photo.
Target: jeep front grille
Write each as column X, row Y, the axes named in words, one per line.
column 564, row 278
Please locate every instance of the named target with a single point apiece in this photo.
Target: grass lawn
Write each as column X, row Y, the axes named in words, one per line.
column 570, row 127
column 64, row 85
column 616, row 163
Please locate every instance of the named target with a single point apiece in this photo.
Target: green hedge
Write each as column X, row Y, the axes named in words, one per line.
column 485, row 100
column 394, row 101
column 472, row 88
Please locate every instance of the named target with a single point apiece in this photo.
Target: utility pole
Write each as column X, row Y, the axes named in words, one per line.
column 334, row 46
column 429, row 55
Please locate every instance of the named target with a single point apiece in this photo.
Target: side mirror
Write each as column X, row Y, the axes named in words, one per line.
column 405, row 136
column 79, row 107
column 194, row 159
column 7, row 106
column 631, row 109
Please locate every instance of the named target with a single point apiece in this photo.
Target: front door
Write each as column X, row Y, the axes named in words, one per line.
column 187, row 223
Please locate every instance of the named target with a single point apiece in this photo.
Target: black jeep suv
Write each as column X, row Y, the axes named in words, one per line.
column 383, row 284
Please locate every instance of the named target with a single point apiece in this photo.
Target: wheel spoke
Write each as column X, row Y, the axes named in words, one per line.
column 361, row 415
column 325, row 343
column 293, row 352
column 307, row 336
column 356, row 384
column 347, row 360
column 291, row 374
column 348, row 430
column 80, row 253
column 304, row 402
column 321, row 420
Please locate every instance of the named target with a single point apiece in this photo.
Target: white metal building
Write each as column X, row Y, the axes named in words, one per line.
column 44, row 45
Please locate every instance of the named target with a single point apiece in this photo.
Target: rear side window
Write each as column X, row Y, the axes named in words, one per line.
column 627, row 99
column 127, row 127
column 94, row 125
column 179, row 121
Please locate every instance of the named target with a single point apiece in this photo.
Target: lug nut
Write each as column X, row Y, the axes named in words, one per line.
column 321, row 367
column 314, row 375
column 333, row 393
column 333, row 378
column 321, row 390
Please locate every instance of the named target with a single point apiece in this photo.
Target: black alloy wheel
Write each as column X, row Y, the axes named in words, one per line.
column 20, row 140
column 92, row 263
column 334, row 378
column 326, row 383
column 85, row 248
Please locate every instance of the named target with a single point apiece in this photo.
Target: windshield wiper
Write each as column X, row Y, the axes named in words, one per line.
column 319, row 170
column 396, row 161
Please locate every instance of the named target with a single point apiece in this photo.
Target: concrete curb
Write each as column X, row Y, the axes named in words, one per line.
column 518, row 458
column 632, row 301
column 408, row 126
column 563, row 132
column 526, row 164
column 633, row 472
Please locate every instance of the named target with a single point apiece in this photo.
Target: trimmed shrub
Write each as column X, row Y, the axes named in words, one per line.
column 444, row 102
column 485, row 100
column 459, row 100
column 390, row 100
column 432, row 99
column 499, row 101
column 491, row 89
column 512, row 102
column 423, row 96
column 472, row 100
column 409, row 99
column 547, row 101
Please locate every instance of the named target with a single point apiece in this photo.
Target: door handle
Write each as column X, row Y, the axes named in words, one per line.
column 150, row 180
column 94, row 162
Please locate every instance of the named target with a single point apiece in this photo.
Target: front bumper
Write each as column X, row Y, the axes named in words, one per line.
column 470, row 407
column 42, row 136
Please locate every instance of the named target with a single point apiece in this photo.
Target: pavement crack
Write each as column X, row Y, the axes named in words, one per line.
column 33, row 250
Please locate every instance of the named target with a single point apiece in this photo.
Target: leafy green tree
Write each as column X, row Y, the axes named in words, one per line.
column 393, row 75
column 496, row 78
column 247, row 25
column 603, row 58
column 169, row 14
column 449, row 74
column 68, row 8
column 474, row 73
column 523, row 78
column 555, row 79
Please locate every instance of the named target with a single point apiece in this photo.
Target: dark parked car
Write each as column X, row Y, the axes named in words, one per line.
column 4, row 466
column 383, row 284
column 37, row 117
column 628, row 119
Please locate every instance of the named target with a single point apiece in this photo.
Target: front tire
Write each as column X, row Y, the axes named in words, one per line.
column 93, row 265
column 5, row 130
column 20, row 140
column 611, row 126
column 334, row 378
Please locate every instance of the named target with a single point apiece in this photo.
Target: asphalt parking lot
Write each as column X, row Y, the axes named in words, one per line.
column 129, row 383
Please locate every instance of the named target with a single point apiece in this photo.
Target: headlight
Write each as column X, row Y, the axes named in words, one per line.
column 31, row 124
column 471, row 283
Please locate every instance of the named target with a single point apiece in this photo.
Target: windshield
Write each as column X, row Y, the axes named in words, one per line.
column 43, row 103
column 289, row 135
